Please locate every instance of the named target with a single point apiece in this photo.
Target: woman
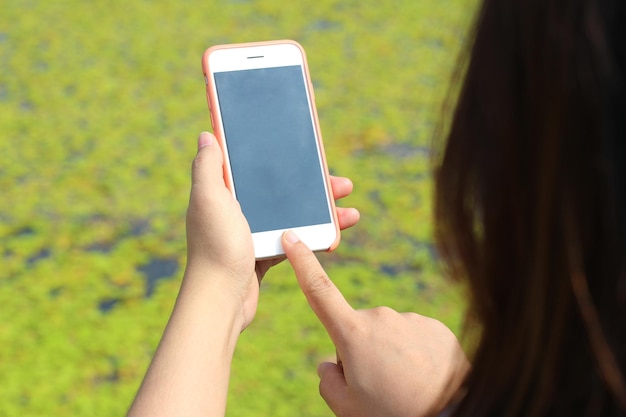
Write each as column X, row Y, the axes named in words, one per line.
column 530, row 210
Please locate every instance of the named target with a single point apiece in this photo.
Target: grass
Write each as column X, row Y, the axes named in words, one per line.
column 100, row 106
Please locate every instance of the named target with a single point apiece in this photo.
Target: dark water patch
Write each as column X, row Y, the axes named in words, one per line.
column 356, row 281
column 27, row 106
column 55, row 292
column 391, row 270
column 139, row 227
column 156, row 270
column 396, row 150
column 39, row 256
column 434, row 43
column 41, row 65
column 4, row 92
column 290, row 374
column 374, row 197
column 427, row 246
column 100, row 247
column 403, row 150
column 112, row 376
column 107, row 304
column 414, row 265
column 323, row 25
column 395, row 270
column 24, row 231
column 428, row 80
column 70, row 89
column 24, row 400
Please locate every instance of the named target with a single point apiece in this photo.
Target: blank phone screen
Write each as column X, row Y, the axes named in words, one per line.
column 272, row 148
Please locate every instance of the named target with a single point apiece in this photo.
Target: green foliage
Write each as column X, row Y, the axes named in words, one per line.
column 100, row 105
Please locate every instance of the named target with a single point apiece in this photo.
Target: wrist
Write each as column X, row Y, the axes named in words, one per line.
column 211, row 291
column 190, row 371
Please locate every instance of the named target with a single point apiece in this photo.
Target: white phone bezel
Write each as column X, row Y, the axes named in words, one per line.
column 267, row 244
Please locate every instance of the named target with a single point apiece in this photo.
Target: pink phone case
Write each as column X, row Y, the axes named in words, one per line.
column 211, row 94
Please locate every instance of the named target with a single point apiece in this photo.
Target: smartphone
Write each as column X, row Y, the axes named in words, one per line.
column 263, row 114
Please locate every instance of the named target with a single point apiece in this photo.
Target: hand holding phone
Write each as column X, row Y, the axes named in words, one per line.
column 217, row 299
column 263, row 114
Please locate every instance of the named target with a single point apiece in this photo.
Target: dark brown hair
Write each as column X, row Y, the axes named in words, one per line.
column 530, row 207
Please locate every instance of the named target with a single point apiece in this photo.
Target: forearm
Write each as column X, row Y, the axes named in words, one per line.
column 190, row 370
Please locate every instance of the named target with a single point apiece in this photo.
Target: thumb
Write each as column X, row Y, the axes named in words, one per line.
column 333, row 387
column 208, row 165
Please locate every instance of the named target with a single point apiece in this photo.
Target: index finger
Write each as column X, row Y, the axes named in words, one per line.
column 327, row 302
column 342, row 186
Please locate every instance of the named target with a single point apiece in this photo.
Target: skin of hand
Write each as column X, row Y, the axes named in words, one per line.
column 389, row 363
column 218, row 236
column 190, row 370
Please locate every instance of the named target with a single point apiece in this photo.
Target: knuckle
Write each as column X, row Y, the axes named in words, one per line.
column 197, row 162
column 440, row 330
column 322, row 389
column 199, row 197
column 383, row 312
column 436, row 325
column 319, row 283
column 340, row 408
column 413, row 317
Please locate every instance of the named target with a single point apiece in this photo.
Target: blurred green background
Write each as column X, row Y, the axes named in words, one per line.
column 100, row 106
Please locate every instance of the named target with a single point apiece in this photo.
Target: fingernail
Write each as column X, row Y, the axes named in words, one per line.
column 204, row 139
column 291, row 237
column 322, row 366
